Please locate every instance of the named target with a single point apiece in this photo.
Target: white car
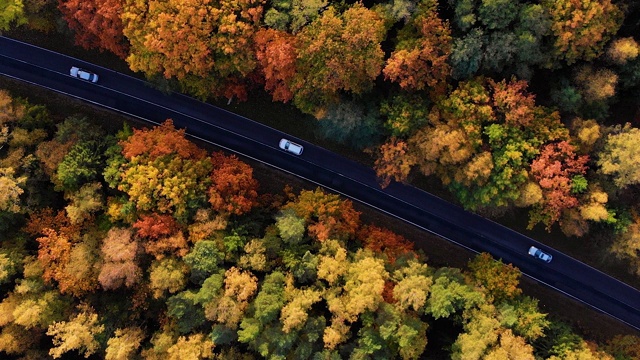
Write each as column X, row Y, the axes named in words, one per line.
column 83, row 74
column 539, row 254
column 291, row 147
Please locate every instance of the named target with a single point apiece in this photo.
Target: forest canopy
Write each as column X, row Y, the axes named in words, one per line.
column 119, row 262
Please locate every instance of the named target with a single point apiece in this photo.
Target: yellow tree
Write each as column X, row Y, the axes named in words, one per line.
column 79, row 333
column 582, row 27
column 337, row 52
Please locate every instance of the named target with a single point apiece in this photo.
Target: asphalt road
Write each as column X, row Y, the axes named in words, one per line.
column 248, row 138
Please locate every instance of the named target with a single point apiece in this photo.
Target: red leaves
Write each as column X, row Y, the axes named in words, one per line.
column 96, row 23
column 422, row 62
column 276, row 55
column 234, row 190
column 155, row 226
column 384, row 241
column 553, row 169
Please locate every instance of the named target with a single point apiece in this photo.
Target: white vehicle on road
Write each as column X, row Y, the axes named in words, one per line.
column 83, row 74
column 291, row 147
column 539, row 254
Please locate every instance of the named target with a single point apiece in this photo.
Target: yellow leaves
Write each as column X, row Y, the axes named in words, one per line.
column 167, row 275
column 295, row 312
column 596, row 84
column 76, row 334
column 622, row 50
column 193, row 347
column 124, row 343
column 241, row 285
column 10, row 190
column 530, row 194
column 333, row 265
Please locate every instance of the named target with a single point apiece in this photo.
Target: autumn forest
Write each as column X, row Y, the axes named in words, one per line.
column 140, row 244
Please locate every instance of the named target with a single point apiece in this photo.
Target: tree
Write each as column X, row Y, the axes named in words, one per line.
column 11, row 12
column 351, row 122
column 276, row 55
column 162, row 235
column 481, row 139
column 420, row 57
column 466, row 54
column 617, row 157
column 163, row 172
column 96, row 24
column 394, row 161
column 622, row 50
column 207, row 46
column 10, row 190
column 293, row 14
column 327, row 216
column 497, row 280
column 233, row 189
column 83, row 203
column 595, row 85
column 204, row 259
column 79, row 333
column 413, row 285
column 554, row 170
column 337, row 52
column 627, row 245
column 510, row 347
column 124, row 344
column 449, row 294
column 383, row 241
column 481, row 331
column 582, row 28
column 82, row 164
column 167, row 275
column 119, row 251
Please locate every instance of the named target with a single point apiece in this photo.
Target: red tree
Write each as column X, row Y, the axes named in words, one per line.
column 384, row 241
column 96, row 24
column 554, row 168
column 233, row 189
column 276, row 54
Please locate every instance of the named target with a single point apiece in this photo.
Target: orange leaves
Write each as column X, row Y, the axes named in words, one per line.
column 96, row 23
column 160, row 141
column 394, row 161
column 327, row 216
column 420, row 62
column 512, row 100
column 554, row 169
column 383, row 241
column 233, row 189
column 162, row 234
column 276, row 55
column 155, row 226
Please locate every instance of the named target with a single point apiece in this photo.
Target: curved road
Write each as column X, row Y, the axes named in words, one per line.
column 246, row 137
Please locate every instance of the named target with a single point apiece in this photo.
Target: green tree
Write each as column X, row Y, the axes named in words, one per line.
column 11, row 12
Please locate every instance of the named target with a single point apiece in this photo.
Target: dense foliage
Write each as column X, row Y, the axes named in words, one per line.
column 160, row 250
